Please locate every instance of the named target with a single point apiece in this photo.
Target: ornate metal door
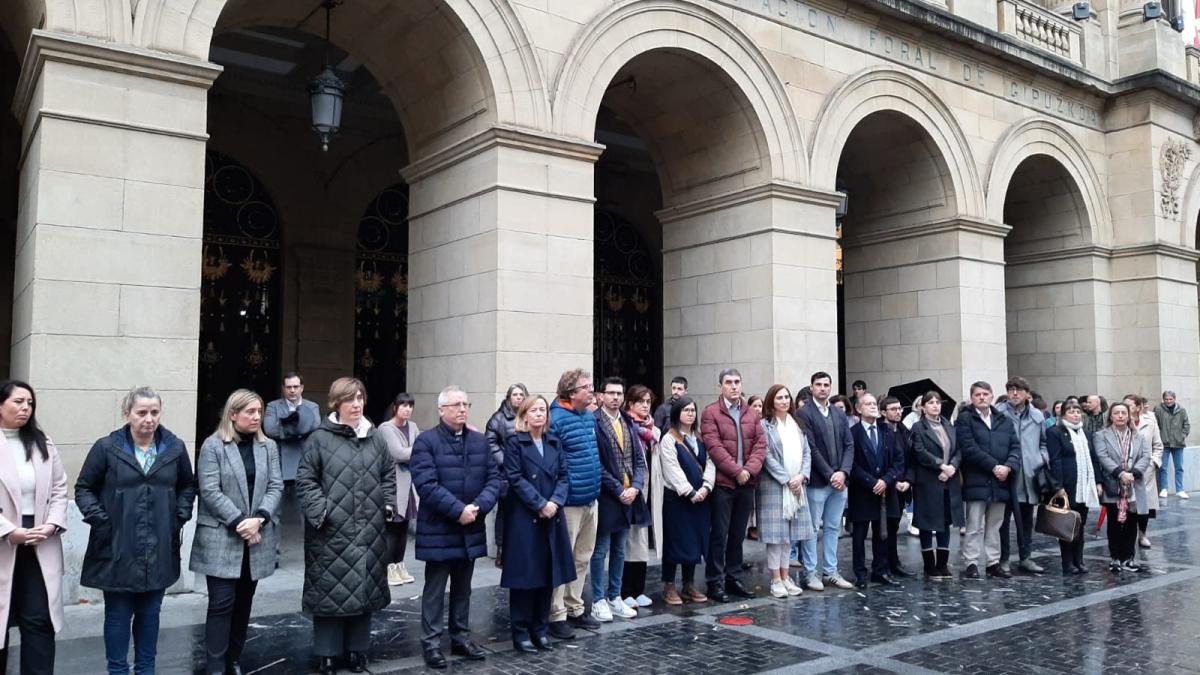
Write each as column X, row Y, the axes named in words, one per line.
column 381, row 299
column 628, row 310
column 239, row 291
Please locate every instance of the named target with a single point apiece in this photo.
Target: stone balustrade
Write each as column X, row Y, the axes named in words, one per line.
column 1041, row 28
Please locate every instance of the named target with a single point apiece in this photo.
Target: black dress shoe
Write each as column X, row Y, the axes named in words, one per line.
column 735, row 587
column 1080, row 569
column 543, row 643
column 328, row 666
column 585, row 621
column 972, row 572
column 860, row 584
column 469, row 650
column 358, row 662
column 561, row 630
column 433, row 658
column 998, row 572
column 883, row 579
column 717, row 594
column 900, row 572
column 524, row 647
column 233, row 669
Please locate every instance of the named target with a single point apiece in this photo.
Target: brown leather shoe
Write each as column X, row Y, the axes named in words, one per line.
column 692, row 595
column 670, row 596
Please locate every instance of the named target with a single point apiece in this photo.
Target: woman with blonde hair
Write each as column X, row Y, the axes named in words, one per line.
column 346, row 486
column 237, row 525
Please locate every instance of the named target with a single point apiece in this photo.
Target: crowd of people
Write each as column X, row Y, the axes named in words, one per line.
column 586, row 484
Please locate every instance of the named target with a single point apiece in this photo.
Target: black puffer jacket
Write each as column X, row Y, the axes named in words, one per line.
column 501, row 427
column 136, row 517
column 344, row 485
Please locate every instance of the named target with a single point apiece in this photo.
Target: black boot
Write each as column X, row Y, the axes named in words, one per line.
column 1077, row 556
column 357, row 662
column 930, row 564
column 942, row 559
column 328, row 666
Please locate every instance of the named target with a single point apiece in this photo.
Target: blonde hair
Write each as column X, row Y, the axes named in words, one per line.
column 343, row 389
column 236, row 403
column 526, row 406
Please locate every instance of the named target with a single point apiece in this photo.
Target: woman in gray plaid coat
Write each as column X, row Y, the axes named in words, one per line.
column 783, row 517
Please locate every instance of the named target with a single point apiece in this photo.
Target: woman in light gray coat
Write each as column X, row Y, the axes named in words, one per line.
column 783, row 516
column 1124, row 458
column 399, row 432
column 237, row 529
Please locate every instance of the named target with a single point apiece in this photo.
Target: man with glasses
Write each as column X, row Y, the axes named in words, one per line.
column 453, row 472
column 736, row 443
column 575, row 428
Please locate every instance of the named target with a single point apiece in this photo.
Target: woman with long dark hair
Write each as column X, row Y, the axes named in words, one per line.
column 782, row 508
column 688, row 476
column 31, row 523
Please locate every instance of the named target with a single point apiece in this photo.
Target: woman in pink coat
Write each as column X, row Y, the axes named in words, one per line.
column 33, row 515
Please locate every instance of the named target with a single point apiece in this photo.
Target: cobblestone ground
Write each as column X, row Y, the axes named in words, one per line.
column 1099, row 622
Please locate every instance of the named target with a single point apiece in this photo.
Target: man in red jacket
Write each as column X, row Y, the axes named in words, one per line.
column 736, row 444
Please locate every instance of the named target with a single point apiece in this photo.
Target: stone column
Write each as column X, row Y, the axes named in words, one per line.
column 107, row 283
column 927, row 301
column 749, row 282
column 500, row 266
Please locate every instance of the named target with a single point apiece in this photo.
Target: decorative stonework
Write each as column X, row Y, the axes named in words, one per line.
column 1174, row 155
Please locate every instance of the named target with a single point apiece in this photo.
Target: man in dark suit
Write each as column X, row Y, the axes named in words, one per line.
column 832, row 458
column 892, row 413
column 878, row 465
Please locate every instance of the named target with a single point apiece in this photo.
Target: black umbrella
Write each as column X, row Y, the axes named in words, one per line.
column 909, row 392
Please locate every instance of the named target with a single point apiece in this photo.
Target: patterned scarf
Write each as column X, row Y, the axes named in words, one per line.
column 1124, row 441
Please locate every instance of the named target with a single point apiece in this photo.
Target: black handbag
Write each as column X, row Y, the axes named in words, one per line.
column 1058, row 520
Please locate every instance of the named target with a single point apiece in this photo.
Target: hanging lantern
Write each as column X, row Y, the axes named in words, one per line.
column 327, row 92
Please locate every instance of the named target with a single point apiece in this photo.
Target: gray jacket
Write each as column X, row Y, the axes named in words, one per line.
column 217, row 549
column 289, row 432
column 1173, row 425
column 1108, row 456
column 1031, row 431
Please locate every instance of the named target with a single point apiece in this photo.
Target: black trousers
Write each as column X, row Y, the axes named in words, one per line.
column 879, row 552
column 29, row 611
column 1024, row 531
column 633, row 579
column 433, row 600
column 229, row 604
column 397, row 534
column 1072, row 553
column 731, row 510
column 893, row 550
column 529, row 612
column 336, row 635
column 669, row 569
column 1122, row 537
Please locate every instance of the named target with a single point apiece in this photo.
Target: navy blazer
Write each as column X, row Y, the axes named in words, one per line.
column 869, row 467
column 614, row 516
column 829, row 455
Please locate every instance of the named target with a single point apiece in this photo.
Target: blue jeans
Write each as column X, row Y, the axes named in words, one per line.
column 120, row 609
column 1176, row 457
column 611, row 546
column 826, row 506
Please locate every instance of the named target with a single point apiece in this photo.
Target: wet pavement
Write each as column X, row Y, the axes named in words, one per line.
column 1098, row 622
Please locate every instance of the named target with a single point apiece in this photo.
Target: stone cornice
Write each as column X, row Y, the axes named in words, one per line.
column 1156, row 248
column 1108, row 253
column 772, row 190
column 972, row 225
column 501, row 137
column 1075, row 252
column 79, row 50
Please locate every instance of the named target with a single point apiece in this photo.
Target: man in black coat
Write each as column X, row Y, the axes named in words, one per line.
column 458, row 481
column 893, row 414
column 878, row 466
column 991, row 453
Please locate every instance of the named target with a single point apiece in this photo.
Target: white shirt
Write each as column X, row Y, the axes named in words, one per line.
column 823, row 409
column 987, row 419
column 26, row 474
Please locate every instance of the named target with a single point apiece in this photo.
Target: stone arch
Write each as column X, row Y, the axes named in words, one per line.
column 109, row 20
column 637, row 27
column 1189, row 234
column 1039, row 136
column 882, row 88
column 516, row 93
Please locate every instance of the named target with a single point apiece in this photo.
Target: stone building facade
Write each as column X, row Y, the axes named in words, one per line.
column 1021, row 195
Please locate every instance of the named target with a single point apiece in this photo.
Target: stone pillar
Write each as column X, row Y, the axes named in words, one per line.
column 1059, row 335
column 927, row 301
column 107, row 283
column 749, row 282
column 500, row 266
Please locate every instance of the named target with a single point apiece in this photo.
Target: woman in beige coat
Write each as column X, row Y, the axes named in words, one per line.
column 1142, row 419
column 33, row 515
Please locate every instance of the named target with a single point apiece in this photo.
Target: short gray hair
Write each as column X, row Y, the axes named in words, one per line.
column 134, row 394
column 1170, row 393
column 726, row 373
column 444, row 396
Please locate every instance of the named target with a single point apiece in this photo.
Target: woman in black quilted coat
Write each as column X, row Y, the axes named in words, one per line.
column 346, row 488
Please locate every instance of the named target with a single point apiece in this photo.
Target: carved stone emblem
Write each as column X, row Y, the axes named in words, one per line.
column 1174, row 155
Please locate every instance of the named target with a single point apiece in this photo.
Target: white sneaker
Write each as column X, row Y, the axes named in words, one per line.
column 601, row 612
column 1182, row 495
column 837, row 580
column 792, row 588
column 778, row 590
column 619, row 609
column 1162, row 494
column 643, row 601
column 629, row 602
column 393, row 574
column 405, row 576
column 814, row 583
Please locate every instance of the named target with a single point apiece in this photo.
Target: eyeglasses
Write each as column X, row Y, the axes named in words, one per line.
column 585, row 387
column 461, row 404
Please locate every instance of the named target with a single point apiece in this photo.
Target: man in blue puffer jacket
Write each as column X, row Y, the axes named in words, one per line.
column 575, row 428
